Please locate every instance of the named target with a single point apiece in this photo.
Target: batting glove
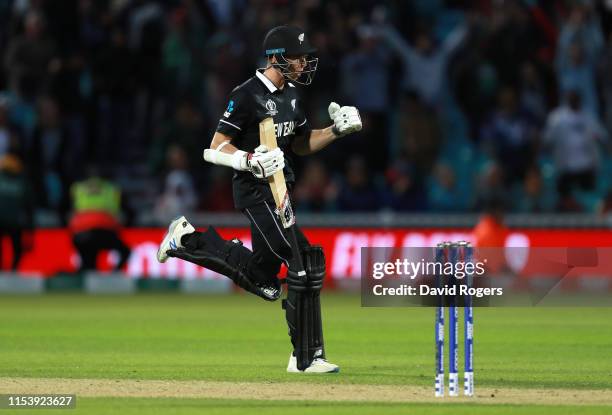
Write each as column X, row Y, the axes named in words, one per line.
column 346, row 119
column 263, row 163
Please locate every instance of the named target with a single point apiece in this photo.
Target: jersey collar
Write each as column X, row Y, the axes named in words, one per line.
column 271, row 87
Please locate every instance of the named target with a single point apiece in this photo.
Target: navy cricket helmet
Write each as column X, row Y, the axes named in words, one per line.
column 288, row 44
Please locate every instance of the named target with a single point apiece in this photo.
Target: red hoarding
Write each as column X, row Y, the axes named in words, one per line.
column 52, row 251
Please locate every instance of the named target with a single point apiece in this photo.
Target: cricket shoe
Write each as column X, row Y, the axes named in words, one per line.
column 318, row 365
column 172, row 240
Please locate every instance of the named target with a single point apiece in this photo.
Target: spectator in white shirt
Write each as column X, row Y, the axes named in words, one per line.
column 575, row 136
column 179, row 193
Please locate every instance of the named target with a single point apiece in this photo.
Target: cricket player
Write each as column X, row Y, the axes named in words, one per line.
column 272, row 92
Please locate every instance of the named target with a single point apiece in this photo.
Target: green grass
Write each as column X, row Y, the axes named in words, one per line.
column 133, row 406
column 241, row 338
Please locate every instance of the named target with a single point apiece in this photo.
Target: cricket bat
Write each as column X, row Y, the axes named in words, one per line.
column 278, row 186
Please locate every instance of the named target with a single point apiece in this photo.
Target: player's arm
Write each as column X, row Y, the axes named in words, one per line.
column 235, row 120
column 313, row 142
column 261, row 163
column 222, row 142
column 346, row 120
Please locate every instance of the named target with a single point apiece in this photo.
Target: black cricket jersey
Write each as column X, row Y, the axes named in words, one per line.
column 250, row 103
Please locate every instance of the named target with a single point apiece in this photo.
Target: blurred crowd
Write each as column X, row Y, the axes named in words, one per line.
column 465, row 104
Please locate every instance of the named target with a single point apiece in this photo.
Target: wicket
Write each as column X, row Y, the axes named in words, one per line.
column 454, row 252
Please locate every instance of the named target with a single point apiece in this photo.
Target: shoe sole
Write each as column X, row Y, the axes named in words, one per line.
column 314, row 373
column 336, row 370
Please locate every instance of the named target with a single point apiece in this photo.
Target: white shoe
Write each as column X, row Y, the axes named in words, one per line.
column 318, row 365
column 292, row 366
column 172, row 239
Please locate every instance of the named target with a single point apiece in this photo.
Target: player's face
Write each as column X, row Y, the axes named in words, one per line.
column 296, row 65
